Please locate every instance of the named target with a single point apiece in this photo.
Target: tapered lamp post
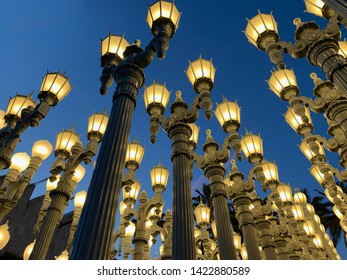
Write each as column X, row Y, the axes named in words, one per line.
column 125, row 65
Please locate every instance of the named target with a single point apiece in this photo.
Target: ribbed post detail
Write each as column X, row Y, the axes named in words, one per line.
column 183, row 245
column 94, row 235
column 263, row 227
column 47, row 230
column 215, row 174
column 245, row 218
column 324, row 53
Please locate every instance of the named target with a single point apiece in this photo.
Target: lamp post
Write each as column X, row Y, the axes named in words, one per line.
column 70, row 153
column 201, row 74
column 13, row 192
column 125, row 65
column 319, row 46
column 21, row 112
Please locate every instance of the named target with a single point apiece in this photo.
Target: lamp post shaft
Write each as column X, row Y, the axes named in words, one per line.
column 215, row 173
column 242, row 204
column 52, row 219
column 263, row 227
column 324, row 53
column 94, row 234
column 183, row 246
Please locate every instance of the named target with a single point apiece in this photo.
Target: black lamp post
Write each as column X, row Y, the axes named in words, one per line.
column 124, row 63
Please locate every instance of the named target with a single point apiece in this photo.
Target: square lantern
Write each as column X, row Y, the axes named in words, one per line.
column 270, row 172
column 313, row 150
column 285, row 192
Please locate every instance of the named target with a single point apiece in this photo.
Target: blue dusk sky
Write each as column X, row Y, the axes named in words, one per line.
column 65, row 35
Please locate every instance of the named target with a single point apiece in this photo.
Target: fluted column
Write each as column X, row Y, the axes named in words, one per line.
column 242, row 204
column 94, row 234
column 183, row 246
column 324, row 53
column 263, row 227
column 215, row 173
column 52, row 220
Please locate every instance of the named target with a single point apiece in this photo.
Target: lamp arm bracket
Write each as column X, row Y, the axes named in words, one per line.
column 318, row 105
column 191, row 114
column 341, row 175
column 144, row 58
column 199, row 160
column 331, row 144
column 296, row 50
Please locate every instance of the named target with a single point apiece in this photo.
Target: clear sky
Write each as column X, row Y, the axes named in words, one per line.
column 65, row 35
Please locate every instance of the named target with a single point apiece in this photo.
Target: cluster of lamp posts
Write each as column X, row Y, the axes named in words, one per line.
column 285, row 227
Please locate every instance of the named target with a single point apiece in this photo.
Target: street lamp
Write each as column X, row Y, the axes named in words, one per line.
column 12, row 192
column 179, row 127
column 70, row 153
column 127, row 70
column 23, row 112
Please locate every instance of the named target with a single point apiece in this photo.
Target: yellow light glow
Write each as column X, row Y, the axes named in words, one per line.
column 65, row 140
column 134, row 191
column 195, row 133
column 163, row 10
column 281, row 80
column 28, row 250
column 315, row 7
column 295, row 120
column 97, row 123
column 202, row 214
column 41, row 149
column 259, row 27
column 56, row 84
column 159, row 176
column 228, row 111
column 300, row 197
column 4, row 235
column 309, row 228
column 52, row 185
column 17, row 104
column 298, row 212
column 156, row 94
column 251, row 144
column 285, row 192
column 134, row 153
column 130, row 230
column 64, row 256
column 80, row 198
column 78, row 174
column 270, row 171
column 20, row 161
column 309, row 153
column 237, row 241
column 2, row 119
column 201, row 69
